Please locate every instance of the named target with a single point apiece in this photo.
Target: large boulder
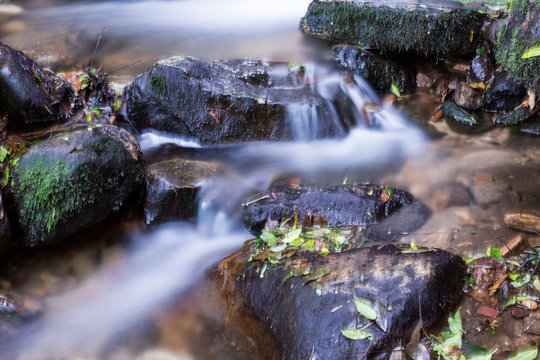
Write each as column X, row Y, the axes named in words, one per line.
column 520, row 34
column 29, row 94
column 504, row 94
column 362, row 303
column 71, row 181
column 381, row 73
column 172, row 187
column 225, row 101
column 431, row 28
column 343, row 205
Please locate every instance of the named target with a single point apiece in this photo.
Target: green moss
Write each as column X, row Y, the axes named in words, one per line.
column 424, row 31
column 516, row 37
column 100, row 145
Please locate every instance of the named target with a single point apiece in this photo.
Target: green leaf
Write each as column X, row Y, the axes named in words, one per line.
column 395, row 90
column 14, row 161
column 536, row 283
column 288, row 276
column 278, row 248
column 268, row 237
column 370, row 192
column 496, row 253
column 65, row 137
column 4, row 152
column 481, row 51
column 356, row 334
column 454, row 323
column 526, row 354
column 519, row 283
column 273, row 260
column 532, row 52
column 389, row 191
column 292, row 235
column 318, row 274
column 364, row 307
column 117, row 105
column 359, row 47
column 5, row 176
column 479, row 353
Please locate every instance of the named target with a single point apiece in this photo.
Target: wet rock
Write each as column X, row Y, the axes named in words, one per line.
column 515, row 117
column 443, row 195
column 482, row 67
column 5, row 228
column 339, row 205
column 531, row 128
column 71, row 181
column 379, row 71
column 312, row 316
column 225, row 101
column 504, row 94
column 462, row 121
column 27, row 93
column 520, row 33
column 434, row 29
column 172, row 186
column 519, row 313
column 485, row 194
column 467, row 97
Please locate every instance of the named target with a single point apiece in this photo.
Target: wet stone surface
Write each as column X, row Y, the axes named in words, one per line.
column 172, row 186
column 317, row 316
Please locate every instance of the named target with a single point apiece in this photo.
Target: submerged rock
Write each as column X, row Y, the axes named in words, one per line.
column 532, row 127
column 430, row 29
column 318, row 306
column 515, row 117
column 172, row 186
column 462, row 121
column 71, row 181
column 518, row 35
column 27, row 93
column 338, row 205
column 381, row 73
column 504, row 94
column 225, row 101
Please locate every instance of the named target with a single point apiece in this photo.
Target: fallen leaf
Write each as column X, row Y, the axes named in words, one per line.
column 356, row 334
column 512, row 244
column 214, row 116
column 364, row 307
column 318, row 274
column 487, row 311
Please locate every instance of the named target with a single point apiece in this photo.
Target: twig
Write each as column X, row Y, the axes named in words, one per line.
column 254, row 201
column 95, row 49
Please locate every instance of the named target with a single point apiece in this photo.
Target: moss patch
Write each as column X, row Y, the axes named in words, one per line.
column 519, row 34
column 422, row 30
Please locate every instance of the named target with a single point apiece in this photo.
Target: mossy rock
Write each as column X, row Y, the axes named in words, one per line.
column 5, row 228
column 520, row 33
column 394, row 27
column 71, row 181
column 380, row 72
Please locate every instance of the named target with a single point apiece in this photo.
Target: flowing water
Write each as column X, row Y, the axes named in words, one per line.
column 87, row 312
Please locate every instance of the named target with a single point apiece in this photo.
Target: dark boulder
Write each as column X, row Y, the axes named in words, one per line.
column 71, row 181
column 172, row 186
column 225, row 101
column 429, row 29
column 504, row 94
column 338, row 205
column 311, row 303
column 531, row 127
column 380, row 72
column 461, row 121
column 517, row 36
column 29, row 94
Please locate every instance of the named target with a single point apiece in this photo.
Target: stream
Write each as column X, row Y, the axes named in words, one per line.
column 141, row 291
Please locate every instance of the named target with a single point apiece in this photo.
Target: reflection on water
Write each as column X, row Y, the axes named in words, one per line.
column 152, row 30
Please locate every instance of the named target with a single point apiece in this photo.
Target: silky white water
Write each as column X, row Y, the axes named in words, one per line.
column 167, row 260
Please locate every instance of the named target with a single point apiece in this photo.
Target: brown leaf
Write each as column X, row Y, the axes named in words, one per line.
column 495, row 287
column 214, row 116
column 487, row 311
column 385, row 196
column 512, row 244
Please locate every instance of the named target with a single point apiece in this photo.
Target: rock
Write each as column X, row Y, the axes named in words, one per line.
column 531, row 128
column 5, row 228
column 378, row 71
column 172, row 186
column 519, row 313
column 71, row 181
column 520, row 33
column 429, row 29
column 312, row 316
column 339, row 205
column 515, row 117
column 226, row 101
column 443, row 195
column 504, row 94
column 462, row 121
column 467, row 97
column 482, row 67
column 27, row 93
column 525, row 222
column 485, row 194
